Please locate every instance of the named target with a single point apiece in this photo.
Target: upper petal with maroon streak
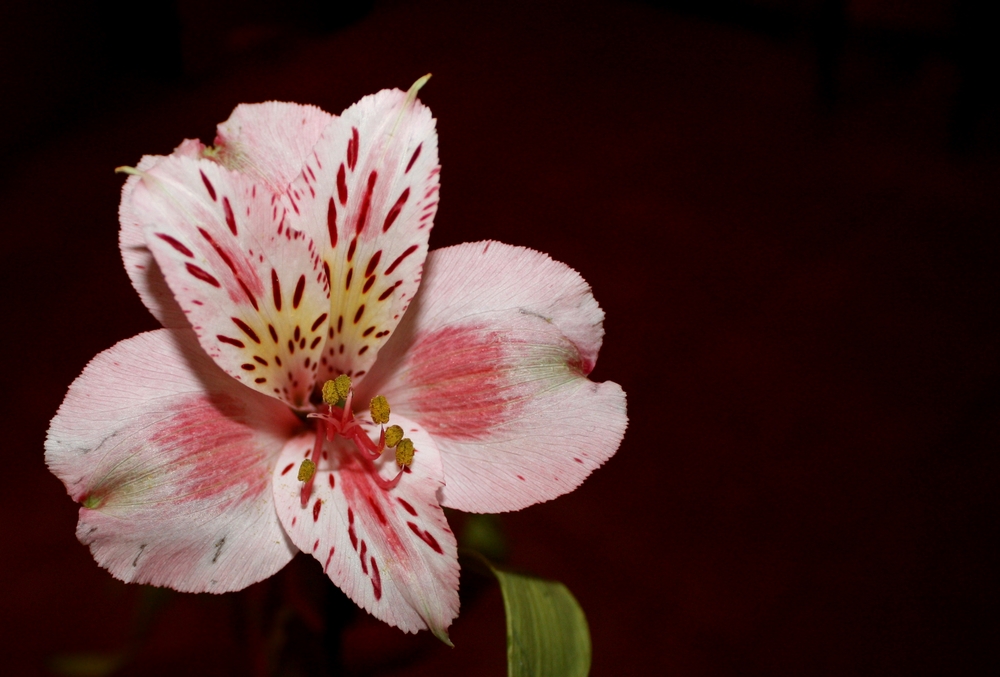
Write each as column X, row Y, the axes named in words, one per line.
column 252, row 287
column 172, row 460
column 492, row 360
column 390, row 551
column 367, row 196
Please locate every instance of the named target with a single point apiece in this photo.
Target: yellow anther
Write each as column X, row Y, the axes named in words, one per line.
column 404, row 452
column 306, row 470
column 380, row 409
column 393, row 434
column 335, row 391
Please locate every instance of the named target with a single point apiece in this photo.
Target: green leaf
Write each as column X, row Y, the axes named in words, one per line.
column 547, row 631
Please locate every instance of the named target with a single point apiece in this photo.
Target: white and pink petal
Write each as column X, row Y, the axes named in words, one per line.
column 492, row 360
column 367, row 195
column 253, row 288
column 171, row 460
column 390, row 551
column 269, row 142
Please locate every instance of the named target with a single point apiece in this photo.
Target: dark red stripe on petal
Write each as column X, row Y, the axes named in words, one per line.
column 370, row 268
column 230, row 218
column 175, row 244
column 208, row 185
column 388, row 292
column 246, row 329
column 413, row 159
column 368, row 331
column 317, row 322
column 342, row 184
column 409, row 508
column 253, row 299
column 396, row 208
column 316, row 506
column 352, row 149
column 202, row 275
column 357, row 315
column 368, row 284
column 274, row 334
column 231, row 341
column 399, row 259
column 276, row 289
column 331, row 222
column 376, row 581
column 347, row 281
column 366, row 203
column 426, row 537
column 287, row 468
column 299, row 288
column 352, row 248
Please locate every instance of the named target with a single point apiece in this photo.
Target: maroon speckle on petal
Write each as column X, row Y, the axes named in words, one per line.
column 368, row 331
column 413, row 159
column 520, row 478
column 366, row 203
column 368, row 284
column 231, row 341
column 274, row 334
column 328, row 558
column 350, row 276
column 299, row 288
column 248, row 367
column 399, row 259
column 352, row 149
column 318, row 321
column 331, row 222
column 409, row 508
column 175, row 244
column 246, row 329
column 316, row 506
column 276, row 289
column 208, row 185
column 260, row 360
column 357, row 315
column 230, row 219
column 426, row 537
column 333, row 482
column 352, row 248
column 202, row 275
column 372, row 262
column 376, row 580
column 364, row 562
column 342, row 185
column 394, row 212
column 287, row 468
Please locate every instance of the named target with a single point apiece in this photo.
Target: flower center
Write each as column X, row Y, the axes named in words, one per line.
column 338, row 396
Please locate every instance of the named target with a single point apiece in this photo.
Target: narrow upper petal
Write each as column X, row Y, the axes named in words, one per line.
column 492, row 360
column 367, row 196
column 270, row 141
column 172, row 461
column 253, row 288
column 142, row 268
column 390, row 551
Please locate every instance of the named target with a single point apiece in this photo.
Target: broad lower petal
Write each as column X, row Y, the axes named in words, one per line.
column 270, row 141
column 172, row 461
column 492, row 360
column 367, row 196
column 253, row 288
column 390, row 551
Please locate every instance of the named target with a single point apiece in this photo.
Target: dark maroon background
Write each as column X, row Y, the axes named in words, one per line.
column 788, row 210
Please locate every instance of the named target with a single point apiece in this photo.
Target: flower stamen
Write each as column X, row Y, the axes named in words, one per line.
column 338, row 394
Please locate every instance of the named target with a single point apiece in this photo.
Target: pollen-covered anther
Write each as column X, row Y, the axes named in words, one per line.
column 380, row 409
column 306, row 470
column 335, row 391
column 404, row 452
column 393, row 434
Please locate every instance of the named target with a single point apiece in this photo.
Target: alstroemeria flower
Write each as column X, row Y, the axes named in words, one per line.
column 285, row 256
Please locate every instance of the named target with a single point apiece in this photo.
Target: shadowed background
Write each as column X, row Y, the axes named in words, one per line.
column 788, row 211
